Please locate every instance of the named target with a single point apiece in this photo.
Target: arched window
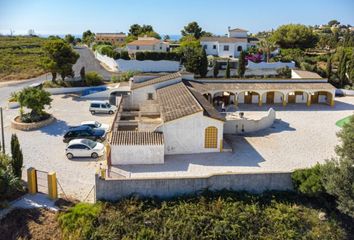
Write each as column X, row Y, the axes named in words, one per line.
column 211, row 137
column 239, row 48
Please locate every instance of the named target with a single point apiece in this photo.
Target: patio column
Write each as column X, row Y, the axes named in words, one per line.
column 308, row 99
column 260, row 100
column 284, row 100
column 235, row 99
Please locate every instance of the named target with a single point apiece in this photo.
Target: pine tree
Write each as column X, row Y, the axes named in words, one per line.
column 17, row 156
column 203, row 68
column 215, row 69
column 227, row 74
column 338, row 173
column 241, row 64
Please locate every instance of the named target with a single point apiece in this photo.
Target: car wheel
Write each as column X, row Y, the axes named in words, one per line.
column 94, row 155
column 110, row 112
column 69, row 155
column 93, row 112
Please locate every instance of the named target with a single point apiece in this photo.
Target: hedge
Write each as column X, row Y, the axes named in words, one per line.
column 157, row 56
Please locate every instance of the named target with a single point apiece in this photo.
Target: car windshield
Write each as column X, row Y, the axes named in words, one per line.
column 108, row 105
column 90, row 143
column 98, row 124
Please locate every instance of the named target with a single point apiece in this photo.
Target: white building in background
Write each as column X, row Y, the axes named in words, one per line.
column 148, row 44
column 230, row 46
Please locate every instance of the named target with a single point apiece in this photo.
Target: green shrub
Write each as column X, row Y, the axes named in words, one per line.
column 124, row 77
column 35, row 99
column 78, row 222
column 93, row 79
column 9, row 183
column 221, row 215
column 174, row 56
column 284, row 72
column 308, row 181
column 124, row 55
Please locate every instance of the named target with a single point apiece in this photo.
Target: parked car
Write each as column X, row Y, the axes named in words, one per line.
column 95, row 124
column 84, row 148
column 102, row 107
column 85, row 132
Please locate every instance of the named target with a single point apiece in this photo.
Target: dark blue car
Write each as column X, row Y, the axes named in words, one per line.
column 86, row 132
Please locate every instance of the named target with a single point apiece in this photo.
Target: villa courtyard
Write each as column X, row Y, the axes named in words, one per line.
column 300, row 137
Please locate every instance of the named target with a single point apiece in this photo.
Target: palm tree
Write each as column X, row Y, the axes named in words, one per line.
column 267, row 46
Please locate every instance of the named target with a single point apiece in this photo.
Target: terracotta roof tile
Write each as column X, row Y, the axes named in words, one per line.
column 163, row 78
column 307, row 74
column 176, row 101
column 136, row 138
column 204, row 87
column 147, row 42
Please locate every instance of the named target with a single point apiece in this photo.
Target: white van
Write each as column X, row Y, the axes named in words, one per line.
column 102, row 107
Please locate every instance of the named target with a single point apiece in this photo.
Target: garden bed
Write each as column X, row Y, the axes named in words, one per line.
column 16, row 123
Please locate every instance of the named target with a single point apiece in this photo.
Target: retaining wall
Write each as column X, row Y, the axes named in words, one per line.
column 243, row 125
column 148, row 65
column 345, row 92
column 115, row 189
column 265, row 65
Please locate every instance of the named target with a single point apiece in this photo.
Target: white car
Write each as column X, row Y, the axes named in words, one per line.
column 95, row 124
column 84, row 148
column 102, row 107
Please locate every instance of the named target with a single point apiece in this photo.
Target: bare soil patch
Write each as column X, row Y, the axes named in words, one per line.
column 30, row 224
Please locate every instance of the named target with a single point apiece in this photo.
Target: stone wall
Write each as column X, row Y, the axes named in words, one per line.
column 115, row 189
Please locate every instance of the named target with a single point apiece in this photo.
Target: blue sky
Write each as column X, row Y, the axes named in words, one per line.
column 167, row 17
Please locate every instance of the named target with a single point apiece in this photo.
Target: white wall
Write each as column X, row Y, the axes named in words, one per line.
column 158, row 47
column 147, row 65
column 237, row 34
column 137, row 154
column 234, row 126
column 186, row 135
column 210, row 50
column 252, row 65
column 108, row 61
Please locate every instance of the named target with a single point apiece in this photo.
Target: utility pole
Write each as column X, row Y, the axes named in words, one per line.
column 2, row 130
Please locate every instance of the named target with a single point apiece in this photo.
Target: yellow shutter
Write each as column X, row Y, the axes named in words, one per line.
column 211, row 137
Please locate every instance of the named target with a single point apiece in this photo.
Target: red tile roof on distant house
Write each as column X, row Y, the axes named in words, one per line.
column 144, row 42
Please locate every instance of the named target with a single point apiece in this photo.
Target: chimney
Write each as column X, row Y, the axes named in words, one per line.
column 229, row 28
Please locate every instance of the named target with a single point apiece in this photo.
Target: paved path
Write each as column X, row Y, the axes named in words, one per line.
column 29, row 201
column 88, row 60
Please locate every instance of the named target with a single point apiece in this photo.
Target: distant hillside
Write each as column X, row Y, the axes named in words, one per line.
column 20, row 57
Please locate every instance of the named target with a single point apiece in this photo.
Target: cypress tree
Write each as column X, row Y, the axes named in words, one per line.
column 215, row 69
column 342, row 69
column 82, row 74
column 329, row 67
column 17, row 156
column 203, row 68
column 241, row 64
column 227, row 74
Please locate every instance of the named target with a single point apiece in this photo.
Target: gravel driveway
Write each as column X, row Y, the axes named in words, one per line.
column 44, row 148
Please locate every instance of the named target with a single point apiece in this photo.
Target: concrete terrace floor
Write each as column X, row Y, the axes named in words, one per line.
column 300, row 137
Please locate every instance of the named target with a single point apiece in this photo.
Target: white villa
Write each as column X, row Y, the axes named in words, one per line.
column 229, row 46
column 148, row 44
column 176, row 114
